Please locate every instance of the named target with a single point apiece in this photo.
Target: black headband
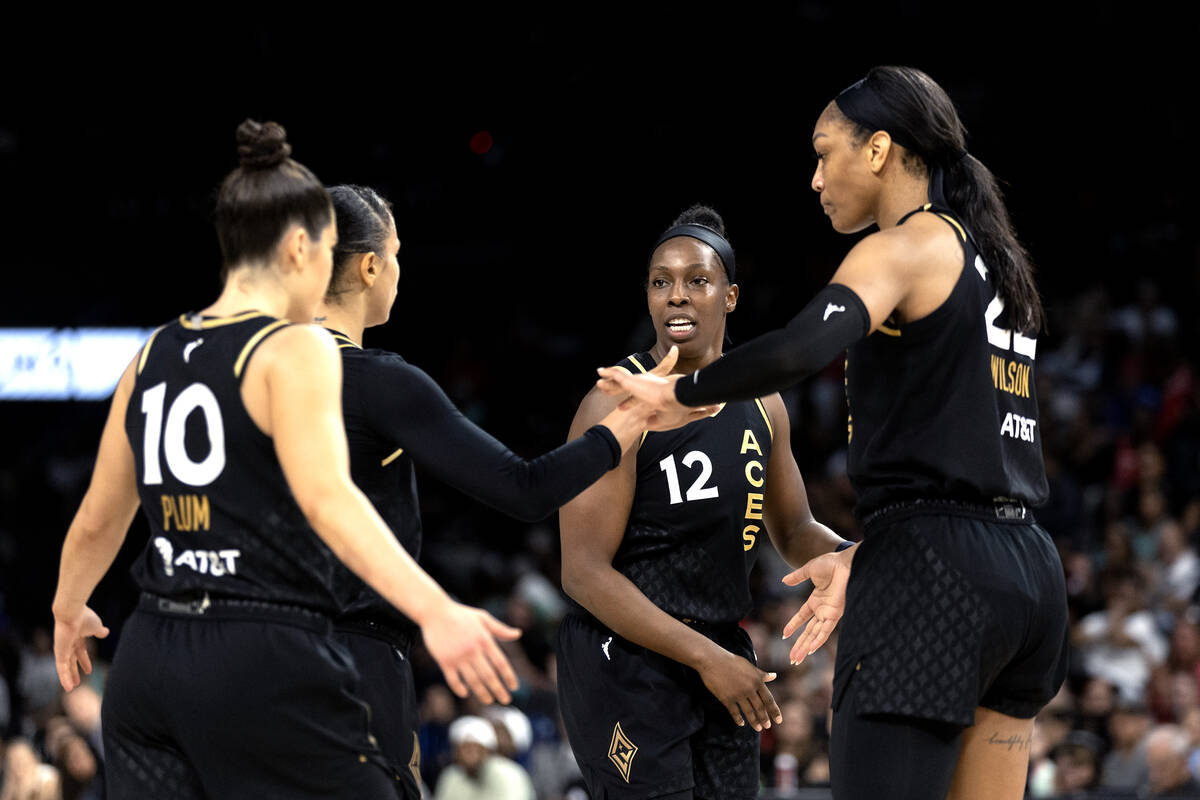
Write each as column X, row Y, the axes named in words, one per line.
column 716, row 241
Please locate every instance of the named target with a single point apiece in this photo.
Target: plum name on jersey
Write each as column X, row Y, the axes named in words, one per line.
column 1018, row 427
column 188, row 512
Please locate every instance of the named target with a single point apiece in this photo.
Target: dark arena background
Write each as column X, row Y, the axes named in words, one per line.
column 533, row 156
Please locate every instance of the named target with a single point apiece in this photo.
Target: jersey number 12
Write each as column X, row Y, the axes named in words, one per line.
column 697, row 491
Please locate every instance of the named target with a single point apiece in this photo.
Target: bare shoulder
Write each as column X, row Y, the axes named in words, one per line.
column 297, row 344
column 594, row 406
column 924, row 243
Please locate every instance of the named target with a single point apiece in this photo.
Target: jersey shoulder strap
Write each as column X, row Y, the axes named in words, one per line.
column 637, row 363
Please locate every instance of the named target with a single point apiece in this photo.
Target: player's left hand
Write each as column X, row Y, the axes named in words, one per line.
column 829, row 573
column 71, row 631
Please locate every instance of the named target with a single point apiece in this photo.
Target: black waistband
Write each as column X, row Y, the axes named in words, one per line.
column 392, row 634
column 1001, row 509
column 204, row 606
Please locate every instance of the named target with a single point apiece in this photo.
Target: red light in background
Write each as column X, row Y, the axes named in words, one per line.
column 481, row 143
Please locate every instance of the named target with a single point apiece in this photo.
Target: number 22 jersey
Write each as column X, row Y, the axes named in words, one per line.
column 222, row 518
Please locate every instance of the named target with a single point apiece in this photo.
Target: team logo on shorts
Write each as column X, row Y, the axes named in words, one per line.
column 622, row 751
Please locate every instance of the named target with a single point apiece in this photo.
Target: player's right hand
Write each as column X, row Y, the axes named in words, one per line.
column 462, row 640
column 71, row 631
column 742, row 689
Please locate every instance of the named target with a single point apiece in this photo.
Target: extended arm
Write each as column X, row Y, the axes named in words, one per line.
column 92, row 542
column 407, row 407
column 302, row 374
column 593, row 526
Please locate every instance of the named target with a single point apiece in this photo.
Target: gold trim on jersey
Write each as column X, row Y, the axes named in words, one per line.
column 637, row 364
column 392, row 457
column 203, row 324
column 250, row 345
column 146, row 348
column 345, row 341
column 962, row 233
column 888, row 331
column 766, row 418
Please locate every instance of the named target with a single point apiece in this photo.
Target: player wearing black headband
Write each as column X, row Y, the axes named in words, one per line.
column 398, row 420
column 657, row 682
column 955, row 628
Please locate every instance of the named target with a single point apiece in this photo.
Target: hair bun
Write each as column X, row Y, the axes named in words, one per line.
column 262, row 145
column 701, row 215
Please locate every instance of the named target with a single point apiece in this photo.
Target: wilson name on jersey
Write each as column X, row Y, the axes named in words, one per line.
column 696, row 524
column 222, row 519
column 945, row 406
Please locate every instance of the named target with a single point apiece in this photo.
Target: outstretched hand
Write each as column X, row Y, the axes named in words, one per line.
column 655, row 390
column 742, row 688
column 71, row 632
column 462, row 640
column 829, row 573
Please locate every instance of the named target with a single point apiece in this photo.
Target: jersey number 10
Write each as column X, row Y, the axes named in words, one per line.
column 193, row 473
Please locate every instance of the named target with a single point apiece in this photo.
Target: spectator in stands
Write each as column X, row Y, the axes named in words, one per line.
column 1167, row 750
column 478, row 772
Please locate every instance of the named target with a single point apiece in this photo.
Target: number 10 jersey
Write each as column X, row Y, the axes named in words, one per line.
column 696, row 524
column 222, row 518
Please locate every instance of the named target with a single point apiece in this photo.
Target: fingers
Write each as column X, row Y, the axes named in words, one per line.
column 498, row 629
column 736, row 713
column 499, row 662
column 665, row 366
column 754, row 711
column 453, row 681
column 815, row 635
column 81, row 656
column 799, row 618
column 768, row 700
column 476, row 684
column 797, row 576
column 67, row 674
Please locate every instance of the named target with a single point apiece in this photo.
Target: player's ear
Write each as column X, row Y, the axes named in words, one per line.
column 731, row 297
column 293, row 247
column 369, row 267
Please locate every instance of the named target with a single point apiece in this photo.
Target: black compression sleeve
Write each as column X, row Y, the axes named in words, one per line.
column 835, row 319
column 408, row 408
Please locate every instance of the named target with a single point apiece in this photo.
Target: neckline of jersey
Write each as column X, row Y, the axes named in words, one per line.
column 198, row 322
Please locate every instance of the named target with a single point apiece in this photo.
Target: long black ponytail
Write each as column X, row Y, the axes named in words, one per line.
column 919, row 114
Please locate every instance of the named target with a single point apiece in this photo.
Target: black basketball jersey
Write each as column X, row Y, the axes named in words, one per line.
column 222, row 518
column 383, row 471
column 696, row 524
column 945, row 406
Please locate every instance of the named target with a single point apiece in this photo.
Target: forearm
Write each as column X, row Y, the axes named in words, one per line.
column 835, row 319
column 89, row 550
column 618, row 603
column 347, row 522
column 804, row 542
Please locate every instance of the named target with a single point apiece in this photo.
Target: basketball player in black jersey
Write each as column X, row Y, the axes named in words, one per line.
column 397, row 420
column 658, row 684
column 227, row 429
column 955, row 609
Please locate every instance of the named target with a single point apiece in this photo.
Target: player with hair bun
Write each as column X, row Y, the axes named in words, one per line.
column 227, row 430
column 658, row 684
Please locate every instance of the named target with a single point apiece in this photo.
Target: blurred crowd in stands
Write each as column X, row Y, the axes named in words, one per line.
column 1120, row 423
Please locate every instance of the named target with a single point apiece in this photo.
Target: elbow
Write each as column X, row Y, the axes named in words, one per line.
column 575, row 582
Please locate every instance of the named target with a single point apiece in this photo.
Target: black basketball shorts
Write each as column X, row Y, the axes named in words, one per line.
column 950, row 608
column 386, row 685
column 642, row 725
column 218, row 705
